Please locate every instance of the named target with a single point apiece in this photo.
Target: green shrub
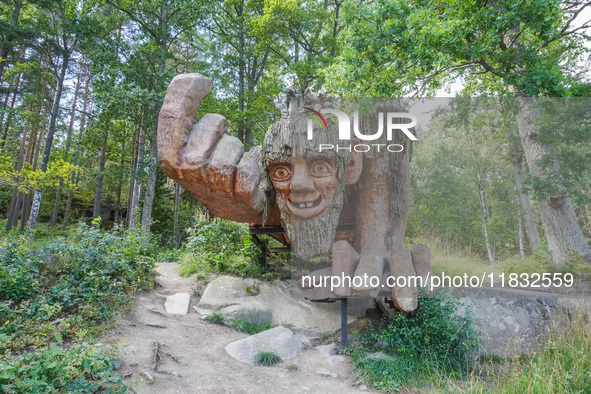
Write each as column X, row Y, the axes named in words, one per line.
column 266, row 359
column 436, row 339
column 221, row 246
column 170, row 256
column 53, row 291
column 19, row 272
column 81, row 369
column 68, row 287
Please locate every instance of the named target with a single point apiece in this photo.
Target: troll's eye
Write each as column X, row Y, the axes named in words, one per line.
column 281, row 174
column 320, row 168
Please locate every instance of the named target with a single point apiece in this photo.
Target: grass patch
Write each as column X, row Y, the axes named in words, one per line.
column 560, row 365
column 216, row 318
column 454, row 261
column 427, row 346
column 251, row 323
column 250, row 328
column 266, row 359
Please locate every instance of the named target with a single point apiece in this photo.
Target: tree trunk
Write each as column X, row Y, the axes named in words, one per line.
column 7, row 125
column 78, row 147
column 48, row 141
column 134, row 155
column 22, row 201
column 96, row 211
column 588, row 212
column 17, row 208
column 32, row 152
column 11, row 210
column 9, row 37
column 150, row 186
column 117, row 215
column 528, row 213
column 485, row 215
column 5, row 103
column 27, row 197
column 520, row 223
column 241, row 74
column 58, row 194
column 558, row 215
column 139, row 173
column 14, row 200
column 175, row 216
column 153, row 159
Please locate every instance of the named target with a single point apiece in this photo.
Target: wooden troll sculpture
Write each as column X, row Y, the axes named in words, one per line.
column 287, row 182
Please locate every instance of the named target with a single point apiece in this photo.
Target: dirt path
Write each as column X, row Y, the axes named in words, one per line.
column 192, row 358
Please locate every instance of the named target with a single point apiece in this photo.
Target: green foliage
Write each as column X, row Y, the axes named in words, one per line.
column 397, row 47
column 68, row 290
column 55, row 292
column 81, row 369
column 170, row 256
column 462, row 181
column 249, row 324
column 27, row 179
column 222, row 246
column 216, row 318
column 19, row 273
column 434, row 340
column 383, row 374
column 250, row 328
column 266, row 359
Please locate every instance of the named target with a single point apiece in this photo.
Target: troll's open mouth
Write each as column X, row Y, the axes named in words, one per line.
column 309, row 204
column 307, row 209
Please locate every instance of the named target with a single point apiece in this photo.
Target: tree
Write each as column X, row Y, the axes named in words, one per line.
column 512, row 46
column 162, row 22
column 58, row 195
column 303, row 35
column 11, row 31
column 63, row 34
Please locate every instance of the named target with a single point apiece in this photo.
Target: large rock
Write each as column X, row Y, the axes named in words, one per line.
column 278, row 302
column 510, row 326
column 278, row 340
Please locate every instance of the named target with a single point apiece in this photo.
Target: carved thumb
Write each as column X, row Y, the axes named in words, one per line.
column 177, row 116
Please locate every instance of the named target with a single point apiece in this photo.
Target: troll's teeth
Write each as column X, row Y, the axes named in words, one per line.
column 302, row 205
column 309, row 204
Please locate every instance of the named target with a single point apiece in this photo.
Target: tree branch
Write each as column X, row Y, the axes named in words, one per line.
column 144, row 26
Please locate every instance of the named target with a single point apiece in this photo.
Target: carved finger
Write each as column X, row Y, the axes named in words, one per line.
column 177, row 116
column 202, row 141
column 404, row 297
column 421, row 260
column 248, row 179
column 371, row 265
column 222, row 166
column 344, row 262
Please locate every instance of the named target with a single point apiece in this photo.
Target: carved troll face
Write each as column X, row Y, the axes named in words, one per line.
column 309, row 185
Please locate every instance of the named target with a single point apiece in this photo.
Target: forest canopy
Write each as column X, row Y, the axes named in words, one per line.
column 82, row 83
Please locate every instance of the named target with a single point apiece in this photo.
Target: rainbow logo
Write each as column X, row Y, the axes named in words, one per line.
column 317, row 116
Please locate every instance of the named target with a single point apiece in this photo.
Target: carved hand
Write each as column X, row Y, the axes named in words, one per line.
column 203, row 158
